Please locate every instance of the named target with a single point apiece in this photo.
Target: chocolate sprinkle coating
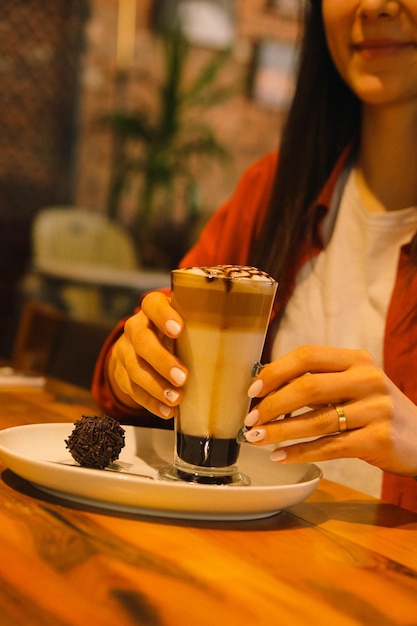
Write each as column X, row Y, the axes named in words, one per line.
column 96, row 441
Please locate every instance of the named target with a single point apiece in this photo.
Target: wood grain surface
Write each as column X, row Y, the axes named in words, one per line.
column 339, row 558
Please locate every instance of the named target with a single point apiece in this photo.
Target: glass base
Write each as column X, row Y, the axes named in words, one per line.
column 203, row 476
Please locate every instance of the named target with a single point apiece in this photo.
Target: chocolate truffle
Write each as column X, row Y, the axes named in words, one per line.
column 96, row 441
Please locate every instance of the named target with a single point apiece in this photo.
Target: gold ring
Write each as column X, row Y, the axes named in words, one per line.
column 342, row 418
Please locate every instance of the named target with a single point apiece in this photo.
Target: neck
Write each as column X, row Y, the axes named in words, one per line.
column 387, row 160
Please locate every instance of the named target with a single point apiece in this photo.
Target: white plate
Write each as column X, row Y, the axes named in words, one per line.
column 38, row 454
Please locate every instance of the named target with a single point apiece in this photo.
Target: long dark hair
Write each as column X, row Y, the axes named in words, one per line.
column 324, row 116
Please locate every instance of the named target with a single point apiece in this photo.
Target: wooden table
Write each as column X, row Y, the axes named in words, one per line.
column 339, row 558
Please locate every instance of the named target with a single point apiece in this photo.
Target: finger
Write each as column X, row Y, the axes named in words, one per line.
column 147, row 390
column 357, row 383
column 139, row 381
column 317, row 437
column 315, row 389
column 134, row 370
column 323, row 449
column 157, row 308
column 359, row 444
column 305, row 360
column 314, row 423
column 151, row 349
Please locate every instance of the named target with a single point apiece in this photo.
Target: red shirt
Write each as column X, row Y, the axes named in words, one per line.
column 227, row 239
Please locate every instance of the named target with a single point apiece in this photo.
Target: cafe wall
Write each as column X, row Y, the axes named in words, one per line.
column 63, row 65
column 40, row 48
column 248, row 123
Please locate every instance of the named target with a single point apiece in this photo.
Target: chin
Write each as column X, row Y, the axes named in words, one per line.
column 374, row 91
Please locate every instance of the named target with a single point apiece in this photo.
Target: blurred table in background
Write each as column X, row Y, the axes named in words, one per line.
column 94, row 291
column 137, row 281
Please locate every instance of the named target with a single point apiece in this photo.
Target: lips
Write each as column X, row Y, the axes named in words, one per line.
column 376, row 48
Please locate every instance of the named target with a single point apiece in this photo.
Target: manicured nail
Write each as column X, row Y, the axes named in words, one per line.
column 256, row 434
column 278, row 455
column 171, row 395
column 252, row 418
column 178, row 376
column 164, row 410
column 255, row 389
column 173, row 327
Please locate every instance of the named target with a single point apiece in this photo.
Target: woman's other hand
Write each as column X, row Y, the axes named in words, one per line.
column 381, row 422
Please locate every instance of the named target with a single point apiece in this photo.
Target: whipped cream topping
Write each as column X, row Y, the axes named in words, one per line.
column 230, row 272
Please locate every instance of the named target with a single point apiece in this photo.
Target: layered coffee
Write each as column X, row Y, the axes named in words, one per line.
column 226, row 311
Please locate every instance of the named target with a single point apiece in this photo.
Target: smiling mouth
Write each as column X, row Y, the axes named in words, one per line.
column 376, row 49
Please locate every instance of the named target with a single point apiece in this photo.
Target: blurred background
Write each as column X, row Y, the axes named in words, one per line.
column 141, row 113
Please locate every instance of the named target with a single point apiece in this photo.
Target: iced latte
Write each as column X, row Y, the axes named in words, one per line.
column 226, row 311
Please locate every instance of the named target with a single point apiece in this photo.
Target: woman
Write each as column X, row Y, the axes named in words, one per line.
column 334, row 220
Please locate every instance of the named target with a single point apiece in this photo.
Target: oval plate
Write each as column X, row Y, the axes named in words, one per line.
column 38, row 454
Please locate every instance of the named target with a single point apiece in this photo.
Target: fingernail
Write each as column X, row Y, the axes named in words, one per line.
column 255, row 388
column 164, row 410
column 173, row 327
column 251, row 418
column 256, row 434
column 178, row 376
column 171, row 395
column 278, row 455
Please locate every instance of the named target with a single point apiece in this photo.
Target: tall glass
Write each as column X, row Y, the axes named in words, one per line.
column 226, row 310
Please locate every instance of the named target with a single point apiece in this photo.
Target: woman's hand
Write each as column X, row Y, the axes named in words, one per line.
column 142, row 370
column 381, row 422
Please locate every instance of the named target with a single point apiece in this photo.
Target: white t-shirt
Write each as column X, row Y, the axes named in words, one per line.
column 341, row 296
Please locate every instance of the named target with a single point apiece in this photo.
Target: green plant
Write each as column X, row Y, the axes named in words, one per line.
column 159, row 147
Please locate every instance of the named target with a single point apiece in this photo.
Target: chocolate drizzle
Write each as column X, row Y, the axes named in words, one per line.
column 96, row 441
column 229, row 273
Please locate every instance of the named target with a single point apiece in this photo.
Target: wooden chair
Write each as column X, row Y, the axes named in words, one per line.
column 50, row 342
column 37, row 328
